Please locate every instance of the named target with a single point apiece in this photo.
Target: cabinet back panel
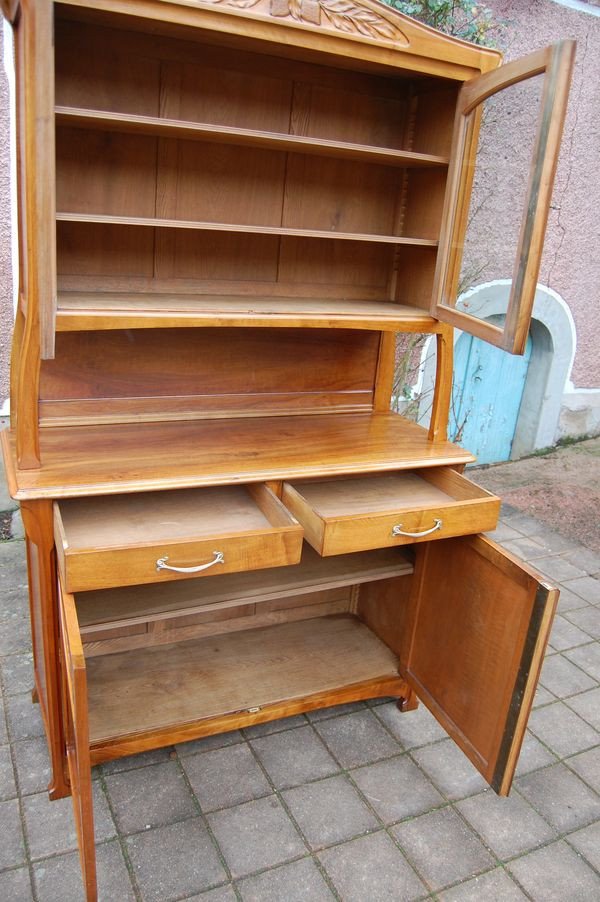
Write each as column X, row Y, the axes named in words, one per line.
column 137, row 374
column 105, row 172
column 341, row 114
column 221, row 96
column 220, row 183
column 98, row 68
column 434, row 120
column 355, row 268
column 340, row 195
column 93, row 252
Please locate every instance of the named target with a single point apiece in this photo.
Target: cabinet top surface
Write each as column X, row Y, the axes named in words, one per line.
column 100, row 460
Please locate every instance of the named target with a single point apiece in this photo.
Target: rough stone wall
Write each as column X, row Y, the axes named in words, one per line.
column 6, row 291
column 571, row 259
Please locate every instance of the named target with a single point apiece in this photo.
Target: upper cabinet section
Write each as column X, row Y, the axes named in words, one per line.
column 510, row 183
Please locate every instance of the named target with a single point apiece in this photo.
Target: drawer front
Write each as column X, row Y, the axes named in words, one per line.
column 159, row 537
column 348, row 515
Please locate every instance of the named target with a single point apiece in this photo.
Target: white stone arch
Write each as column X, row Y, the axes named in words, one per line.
column 548, row 377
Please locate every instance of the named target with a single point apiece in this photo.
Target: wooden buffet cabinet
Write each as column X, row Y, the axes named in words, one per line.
column 227, row 210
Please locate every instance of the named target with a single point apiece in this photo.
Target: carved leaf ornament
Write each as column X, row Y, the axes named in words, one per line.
column 340, row 15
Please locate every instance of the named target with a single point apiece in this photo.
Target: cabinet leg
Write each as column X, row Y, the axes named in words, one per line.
column 41, row 565
column 408, row 702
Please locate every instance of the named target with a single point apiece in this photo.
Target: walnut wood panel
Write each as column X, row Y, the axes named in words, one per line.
column 104, row 172
column 334, row 265
column 125, row 375
column 215, row 92
column 434, row 119
column 346, row 515
column 98, row 251
column 480, row 624
column 119, row 541
column 105, row 69
column 339, row 195
column 385, row 608
column 219, row 184
column 100, row 460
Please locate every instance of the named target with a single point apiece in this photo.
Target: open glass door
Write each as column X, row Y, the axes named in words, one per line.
column 479, row 624
column 503, row 161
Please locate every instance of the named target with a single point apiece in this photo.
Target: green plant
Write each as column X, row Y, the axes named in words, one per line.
column 462, row 18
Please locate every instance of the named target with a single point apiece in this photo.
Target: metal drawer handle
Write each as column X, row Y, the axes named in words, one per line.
column 161, row 564
column 398, row 531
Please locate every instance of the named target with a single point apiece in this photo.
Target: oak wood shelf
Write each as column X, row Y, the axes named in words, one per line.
column 81, row 311
column 244, row 137
column 154, row 222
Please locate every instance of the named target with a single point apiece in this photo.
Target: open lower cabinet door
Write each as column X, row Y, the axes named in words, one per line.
column 475, row 167
column 479, row 623
column 75, row 713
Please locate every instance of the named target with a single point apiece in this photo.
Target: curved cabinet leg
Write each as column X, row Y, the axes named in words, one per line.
column 41, row 564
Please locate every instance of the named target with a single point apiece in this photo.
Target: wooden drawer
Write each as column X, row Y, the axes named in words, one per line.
column 356, row 514
column 124, row 540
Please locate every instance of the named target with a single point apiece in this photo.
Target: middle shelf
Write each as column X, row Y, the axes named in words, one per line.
column 89, row 310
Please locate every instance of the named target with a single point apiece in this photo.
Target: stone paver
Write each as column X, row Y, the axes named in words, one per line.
column 556, row 874
column 372, row 868
column 357, row 803
column 329, row 811
column 443, row 847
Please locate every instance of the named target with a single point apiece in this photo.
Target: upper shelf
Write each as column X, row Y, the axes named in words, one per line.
column 155, row 222
column 244, row 137
column 83, row 311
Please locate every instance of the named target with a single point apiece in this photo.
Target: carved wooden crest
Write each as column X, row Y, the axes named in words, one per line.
column 349, row 16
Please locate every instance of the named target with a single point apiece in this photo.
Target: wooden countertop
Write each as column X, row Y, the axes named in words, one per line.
column 101, row 460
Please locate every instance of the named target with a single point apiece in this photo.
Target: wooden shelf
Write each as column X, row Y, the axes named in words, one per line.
column 176, row 128
column 83, row 311
column 118, row 458
column 129, row 605
column 153, row 222
column 149, row 690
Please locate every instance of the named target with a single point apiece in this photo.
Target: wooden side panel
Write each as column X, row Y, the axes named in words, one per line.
column 480, row 624
column 43, row 610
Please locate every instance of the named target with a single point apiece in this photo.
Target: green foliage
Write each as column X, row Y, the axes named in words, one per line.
column 462, row 18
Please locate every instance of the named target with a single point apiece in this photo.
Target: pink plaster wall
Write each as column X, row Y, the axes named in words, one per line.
column 6, row 294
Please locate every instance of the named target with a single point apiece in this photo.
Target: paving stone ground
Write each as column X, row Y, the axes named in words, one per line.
column 358, row 803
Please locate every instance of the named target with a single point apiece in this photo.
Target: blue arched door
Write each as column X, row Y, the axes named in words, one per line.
column 486, row 397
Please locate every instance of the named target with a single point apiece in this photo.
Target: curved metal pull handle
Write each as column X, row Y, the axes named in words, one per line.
column 161, row 564
column 398, row 531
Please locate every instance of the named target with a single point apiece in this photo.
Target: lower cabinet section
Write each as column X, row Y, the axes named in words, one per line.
column 463, row 628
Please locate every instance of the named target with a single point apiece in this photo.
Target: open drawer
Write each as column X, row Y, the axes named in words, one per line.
column 124, row 540
column 356, row 514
